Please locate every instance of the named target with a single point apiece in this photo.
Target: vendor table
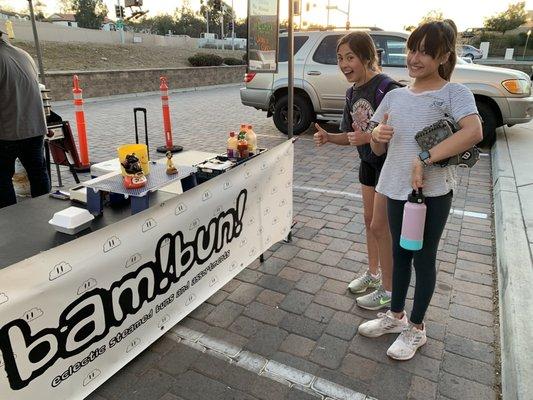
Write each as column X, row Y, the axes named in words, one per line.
column 26, row 231
column 76, row 309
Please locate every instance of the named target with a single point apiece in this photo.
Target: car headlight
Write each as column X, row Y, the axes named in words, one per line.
column 517, row 86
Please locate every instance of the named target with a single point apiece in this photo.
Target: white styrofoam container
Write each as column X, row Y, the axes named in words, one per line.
column 71, row 220
column 105, row 167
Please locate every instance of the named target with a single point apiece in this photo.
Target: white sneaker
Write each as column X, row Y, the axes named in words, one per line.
column 405, row 345
column 384, row 323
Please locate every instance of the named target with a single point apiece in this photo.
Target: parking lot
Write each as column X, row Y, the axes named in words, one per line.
column 286, row 329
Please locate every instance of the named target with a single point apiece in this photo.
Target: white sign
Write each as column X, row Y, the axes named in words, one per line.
column 72, row 316
column 509, row 53
column 484, row 47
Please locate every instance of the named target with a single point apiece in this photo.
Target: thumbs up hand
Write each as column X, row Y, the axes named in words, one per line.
column 383, row 133
column 357, row 137
column 321, row 136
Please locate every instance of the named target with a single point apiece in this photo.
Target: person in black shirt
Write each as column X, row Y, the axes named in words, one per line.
column 357, row 58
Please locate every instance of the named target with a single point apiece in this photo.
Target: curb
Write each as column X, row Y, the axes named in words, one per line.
column 515, row 277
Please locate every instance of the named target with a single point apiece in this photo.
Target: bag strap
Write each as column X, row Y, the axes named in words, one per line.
column 382, row 89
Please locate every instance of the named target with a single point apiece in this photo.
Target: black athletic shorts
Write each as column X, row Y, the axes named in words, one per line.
column 369, row 173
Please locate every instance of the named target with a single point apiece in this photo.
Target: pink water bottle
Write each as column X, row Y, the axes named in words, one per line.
column 414, row 219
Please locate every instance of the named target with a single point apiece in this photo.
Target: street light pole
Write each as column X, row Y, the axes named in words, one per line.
column 525, row 47
column 348, row 14
column 121, row 22
column 290, row 49
column 223, row 9
column 328, row 8
column 37, row 44
column 232, row 26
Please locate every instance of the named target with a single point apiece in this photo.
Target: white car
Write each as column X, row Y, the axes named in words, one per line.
column 503, row 96
column 467, row 51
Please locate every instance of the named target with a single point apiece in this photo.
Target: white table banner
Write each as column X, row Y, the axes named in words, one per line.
column 74, row 315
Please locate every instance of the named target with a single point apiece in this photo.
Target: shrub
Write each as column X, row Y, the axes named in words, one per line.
column 233, row 61
column 205, row 60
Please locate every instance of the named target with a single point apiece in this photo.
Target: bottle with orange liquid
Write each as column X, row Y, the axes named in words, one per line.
column 252, row 139
column 242, row 146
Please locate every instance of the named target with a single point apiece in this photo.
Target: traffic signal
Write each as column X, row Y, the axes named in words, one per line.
column 217, row 5
column 119, row 11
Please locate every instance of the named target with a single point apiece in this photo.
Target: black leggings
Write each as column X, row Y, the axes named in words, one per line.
column 438, row 209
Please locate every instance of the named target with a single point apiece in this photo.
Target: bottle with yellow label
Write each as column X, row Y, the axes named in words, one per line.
column 233, row 143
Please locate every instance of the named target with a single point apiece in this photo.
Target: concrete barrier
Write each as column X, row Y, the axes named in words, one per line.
column 108, row 83
column 524, row 66
column 515, row 272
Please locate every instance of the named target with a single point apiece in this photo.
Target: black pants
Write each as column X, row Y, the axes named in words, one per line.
column 31, row 154
column 438, row 209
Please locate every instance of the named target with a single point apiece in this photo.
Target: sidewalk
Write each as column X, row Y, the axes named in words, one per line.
column 513, row 206
column 286, row 329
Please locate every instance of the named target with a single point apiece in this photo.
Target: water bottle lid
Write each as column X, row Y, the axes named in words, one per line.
column 416, row 197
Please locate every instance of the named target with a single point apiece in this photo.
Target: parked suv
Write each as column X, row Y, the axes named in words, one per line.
column 503, row 96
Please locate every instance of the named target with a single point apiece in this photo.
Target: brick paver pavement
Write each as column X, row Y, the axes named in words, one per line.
column 294, row 310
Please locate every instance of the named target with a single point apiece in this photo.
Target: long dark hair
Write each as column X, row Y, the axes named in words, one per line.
column 439, row 38
column 363, row 47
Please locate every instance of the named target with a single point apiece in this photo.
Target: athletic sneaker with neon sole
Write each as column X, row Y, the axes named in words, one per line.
column 406, row 344
column 383, row 324
column 364, row 282
column 376, row 300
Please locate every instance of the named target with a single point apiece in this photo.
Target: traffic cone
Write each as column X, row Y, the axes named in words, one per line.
column 169, row 145
column 80, row 125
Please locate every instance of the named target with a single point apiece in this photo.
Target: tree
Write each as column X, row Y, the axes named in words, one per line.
column 241, row 28
column 512, row 18
column 6, row 7
column 315, row 27
column 66, row 6
column 433, row 15
column 409, row 28
column 208, row 6
column 188, row 22
column 89, row 13
column 38, row 8
column 163, row 24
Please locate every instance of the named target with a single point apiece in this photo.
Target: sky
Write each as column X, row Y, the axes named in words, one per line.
column 386, row 14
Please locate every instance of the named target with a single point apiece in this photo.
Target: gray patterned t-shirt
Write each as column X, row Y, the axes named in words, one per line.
column 409, row 113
